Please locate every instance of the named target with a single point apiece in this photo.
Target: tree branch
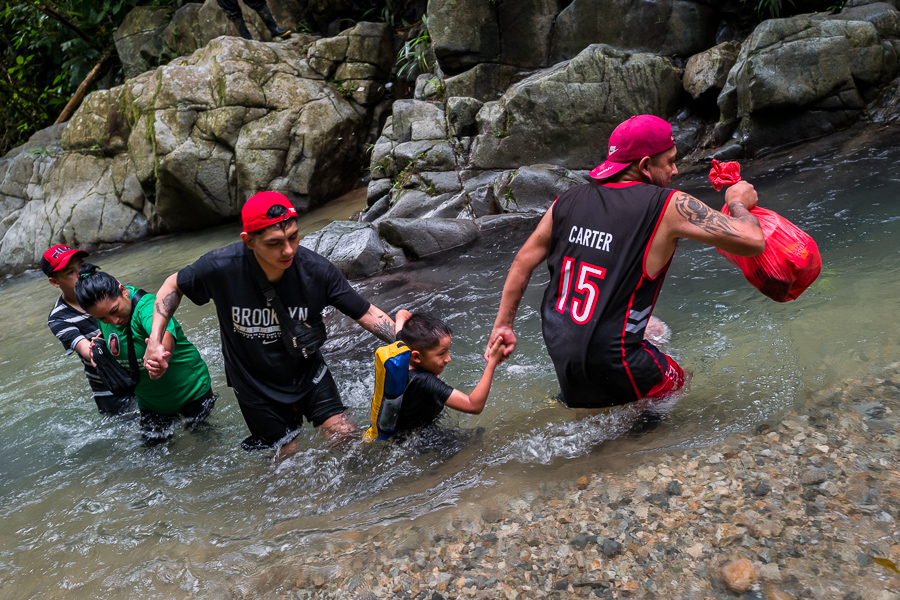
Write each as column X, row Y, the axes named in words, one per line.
column 97, row 73
column 52, row 13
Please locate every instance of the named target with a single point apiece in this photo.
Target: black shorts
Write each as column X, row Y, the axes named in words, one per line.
column 276, row 423
column 157, row 427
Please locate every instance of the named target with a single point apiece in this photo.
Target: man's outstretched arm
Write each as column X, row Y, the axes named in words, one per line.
column 378, row 324
column 532, row 253
column 156, row 357
column 738, row 234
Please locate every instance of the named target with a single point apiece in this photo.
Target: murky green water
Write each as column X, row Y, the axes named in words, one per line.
column 88, row 512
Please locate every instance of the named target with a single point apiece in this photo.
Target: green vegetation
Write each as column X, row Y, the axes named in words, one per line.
column 391, row 13
column 415, row 53
column 399, row 183
column 772, row 7
column 345, row 89
column 40, row 152
column 47, row 48
column 505, row 131
column 438, row 85
column 508, row 197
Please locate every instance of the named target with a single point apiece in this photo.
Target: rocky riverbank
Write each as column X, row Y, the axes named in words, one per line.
column 805, row 507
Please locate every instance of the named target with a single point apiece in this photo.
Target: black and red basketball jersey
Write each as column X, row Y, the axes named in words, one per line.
column 600, row 294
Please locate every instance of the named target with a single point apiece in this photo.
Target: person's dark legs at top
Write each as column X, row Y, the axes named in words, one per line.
column 233, row 11
column 266, row 15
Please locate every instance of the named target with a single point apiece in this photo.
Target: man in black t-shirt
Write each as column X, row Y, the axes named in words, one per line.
column 274, row 389
column 607, row 245
column 73, row 327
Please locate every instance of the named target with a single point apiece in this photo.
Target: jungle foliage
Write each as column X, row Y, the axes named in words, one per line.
column 47, row 48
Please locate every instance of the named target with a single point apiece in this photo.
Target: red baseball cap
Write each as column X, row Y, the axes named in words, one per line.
column 254, row 217
column 57, row 257
column 639, row 136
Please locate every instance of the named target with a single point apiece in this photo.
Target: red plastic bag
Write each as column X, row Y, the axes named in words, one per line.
column 791, row 261
column 723, row 174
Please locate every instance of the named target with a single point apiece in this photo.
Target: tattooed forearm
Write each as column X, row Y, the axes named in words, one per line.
column 700, row 215
column 383, row 329
column 739, row 211
column 165, row 307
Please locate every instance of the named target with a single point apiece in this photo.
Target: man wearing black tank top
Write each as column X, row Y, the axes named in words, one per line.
column 608, row 245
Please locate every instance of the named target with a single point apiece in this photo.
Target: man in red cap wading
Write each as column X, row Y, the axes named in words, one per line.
column 275, row 388
column 608, row 245
column 73, row 327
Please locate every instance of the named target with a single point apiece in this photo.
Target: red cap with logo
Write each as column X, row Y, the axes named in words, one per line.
column 57, row 257
column 640, row 136
column 254, row 217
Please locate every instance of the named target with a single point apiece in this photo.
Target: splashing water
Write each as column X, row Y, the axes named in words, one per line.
column 88, row 512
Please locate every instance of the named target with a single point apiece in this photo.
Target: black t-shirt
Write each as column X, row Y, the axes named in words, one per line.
column 423, row 400
column 256, row 361
column 600, row 295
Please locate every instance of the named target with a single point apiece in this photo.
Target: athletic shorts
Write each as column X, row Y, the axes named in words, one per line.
column 157, row 427
column 672, row 381
column 276, row 423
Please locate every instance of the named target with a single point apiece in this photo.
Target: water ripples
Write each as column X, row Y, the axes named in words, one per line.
column 89, row 512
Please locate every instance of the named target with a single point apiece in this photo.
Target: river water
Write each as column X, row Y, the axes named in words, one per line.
column 88, row 512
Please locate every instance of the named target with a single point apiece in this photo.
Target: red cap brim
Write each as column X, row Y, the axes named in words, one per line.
column 607, row 169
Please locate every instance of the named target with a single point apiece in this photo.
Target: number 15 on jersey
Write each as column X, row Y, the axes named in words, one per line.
column 585, row 284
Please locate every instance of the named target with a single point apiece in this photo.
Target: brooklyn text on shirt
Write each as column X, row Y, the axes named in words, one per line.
column 262, row 322
column 590, row 238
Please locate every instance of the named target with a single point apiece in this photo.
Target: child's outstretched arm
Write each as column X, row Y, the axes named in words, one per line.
column 474, row 402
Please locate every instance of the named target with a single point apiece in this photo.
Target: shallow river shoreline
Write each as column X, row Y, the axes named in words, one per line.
column 805, row 507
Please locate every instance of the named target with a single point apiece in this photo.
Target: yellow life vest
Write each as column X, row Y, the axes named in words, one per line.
column 391, row 377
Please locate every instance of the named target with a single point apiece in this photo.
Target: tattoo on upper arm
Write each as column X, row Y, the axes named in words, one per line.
column 703, row 217
column 166, row 306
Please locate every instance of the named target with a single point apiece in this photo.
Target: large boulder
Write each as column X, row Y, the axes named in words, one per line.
column 485, row 81
column 354, row 248
column 457, row 158
column 48, row 196
column 803, row 77
column 139, row 39
column 209, row 130
column 883, row 15
column 667, row 27
column 534, row 34
column 464, row 33
column 425, row 237
column 564, row 115
column 183, row 34
column 152, row 35
column 526, row 29
column 533, row 189
column 706, row 72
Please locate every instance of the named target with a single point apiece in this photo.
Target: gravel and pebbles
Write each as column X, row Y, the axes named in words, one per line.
column 805, row 507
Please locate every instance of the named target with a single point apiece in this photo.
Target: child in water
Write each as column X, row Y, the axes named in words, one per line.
column 426, row 395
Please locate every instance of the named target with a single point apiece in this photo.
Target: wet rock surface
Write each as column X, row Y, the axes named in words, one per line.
column 805, row 506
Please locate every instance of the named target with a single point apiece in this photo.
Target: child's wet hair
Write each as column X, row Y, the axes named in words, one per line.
column 93, row 286
column 423, row 331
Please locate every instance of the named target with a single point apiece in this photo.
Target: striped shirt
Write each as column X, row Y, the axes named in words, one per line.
column 70, row 326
